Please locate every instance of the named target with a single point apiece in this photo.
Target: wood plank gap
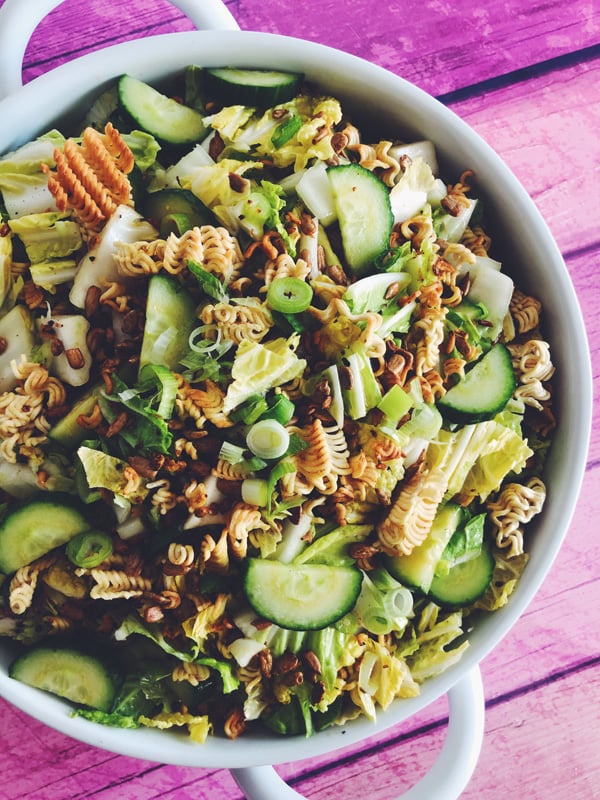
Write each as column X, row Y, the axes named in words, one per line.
column 578, row 252
column 521, row 75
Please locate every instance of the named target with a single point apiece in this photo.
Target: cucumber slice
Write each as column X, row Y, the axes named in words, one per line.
column 465, row 582
column 37, row 526
column 68, row 673
column 483, row 392
column 170, row 318
column 162, row 116
column 301, row 597
column 364, row 214
column 252, row 87
column 167, row 202
column 418, row 568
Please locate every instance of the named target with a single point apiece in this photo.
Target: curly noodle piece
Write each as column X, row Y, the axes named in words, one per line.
column 411, row 516
column 22, row 588
column 210, row 401
column 533, row 365
column 90, row 178
column 525, row 311
column 215, row 554
column 284, row 266
column 23, row 424
column 190, row 672
column 115, row 584
column 214, row 249
column 427, row 334
column 370, row 322
column 236, row 322
column 245, row 524
column 516, row 505
column 377, row 158
column 477, row 241
column 322, row 463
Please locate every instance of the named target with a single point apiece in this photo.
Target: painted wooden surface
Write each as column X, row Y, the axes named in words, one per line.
column 526, row 76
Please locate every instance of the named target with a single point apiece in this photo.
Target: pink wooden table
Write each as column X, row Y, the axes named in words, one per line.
column 526, row 76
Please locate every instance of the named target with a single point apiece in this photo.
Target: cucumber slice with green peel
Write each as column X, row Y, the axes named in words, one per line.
column 465, row 582
column 170, row 318
column 162, row 116
column 418, row 568
column 35, row 527
column 364, row 213
column 301, row 597
column 167, row 202
column 69, row 673
column 483, row 392
column 252, row 87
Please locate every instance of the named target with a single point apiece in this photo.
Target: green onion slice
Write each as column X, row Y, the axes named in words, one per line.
column 89, row 549
column 286, row 130
column 156, row 374
column 289, row 295
column 281, row 409
column 268, row 439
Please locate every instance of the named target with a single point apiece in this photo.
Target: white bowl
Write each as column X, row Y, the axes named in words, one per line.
column 530, row 255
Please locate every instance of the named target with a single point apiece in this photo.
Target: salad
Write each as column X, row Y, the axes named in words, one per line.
column 273, row 418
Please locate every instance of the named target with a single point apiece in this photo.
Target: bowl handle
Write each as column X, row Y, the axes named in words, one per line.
column 446, row 780
column 18, row 20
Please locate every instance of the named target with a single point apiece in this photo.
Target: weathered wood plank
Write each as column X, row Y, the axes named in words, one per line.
column 441, row 48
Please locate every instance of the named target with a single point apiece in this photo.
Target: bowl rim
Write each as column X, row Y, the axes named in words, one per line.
column 154, row 57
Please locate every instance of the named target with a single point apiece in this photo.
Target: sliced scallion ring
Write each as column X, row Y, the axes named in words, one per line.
column 255, row 492
column 268, row 439
column 156, row 373
column 289, row 295
column 89, row 549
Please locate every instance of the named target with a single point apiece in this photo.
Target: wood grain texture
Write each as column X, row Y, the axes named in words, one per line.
column 527, row 78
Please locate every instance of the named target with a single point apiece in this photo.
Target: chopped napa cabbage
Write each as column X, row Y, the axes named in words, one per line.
column 242, row 130
column 314, row 189
column 369, row 294
column 48, row 235
column 506, row 575
column 384, row 605
column 103, row 471
column 71, row 330
column 5, row 267
column 176, row 175
column 451, row 228
column 382, row 677
column 144, row 147
column 477, row 458
column 98, row 266
column 16, row 328
column 423, row 149
column 229, row 121
column 493, row 289
column 258, row 367
column 23, row 185
column 261, row 211
column 211, row 183
column 199, row 727
column 410, row 193
column 433, row 654
column 49, row 274
column 364, row 392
